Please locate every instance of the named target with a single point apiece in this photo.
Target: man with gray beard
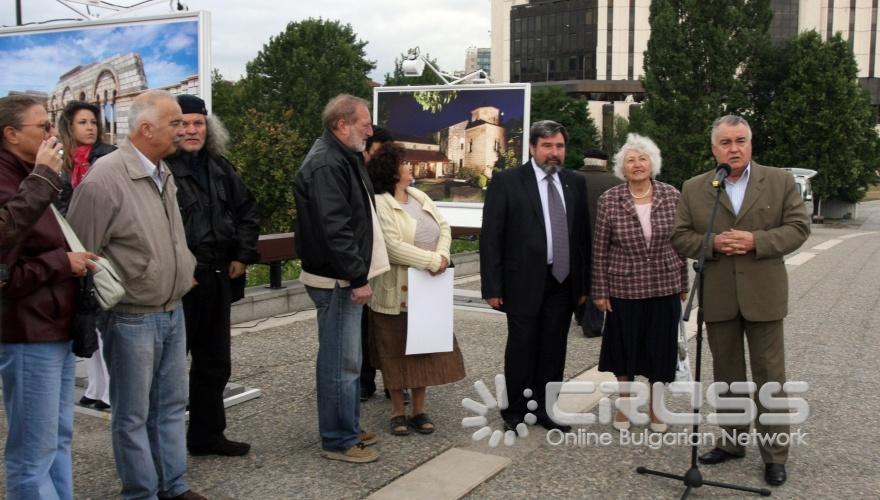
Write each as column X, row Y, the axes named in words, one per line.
column 535, row 266
column 220, row 218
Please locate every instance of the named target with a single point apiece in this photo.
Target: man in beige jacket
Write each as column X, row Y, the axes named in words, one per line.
column 761, row 219
column 126, row 211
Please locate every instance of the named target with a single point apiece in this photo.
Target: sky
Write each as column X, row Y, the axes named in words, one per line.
column 240, row 28
column 169, row 52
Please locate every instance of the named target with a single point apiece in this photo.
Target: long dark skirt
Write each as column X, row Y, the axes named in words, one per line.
column 399, row 371
column 641, row 338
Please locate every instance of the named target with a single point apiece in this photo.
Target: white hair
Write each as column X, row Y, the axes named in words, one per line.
column 642, row 144
column 143, row 108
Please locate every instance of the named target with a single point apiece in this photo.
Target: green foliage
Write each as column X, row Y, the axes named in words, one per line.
column 464, row 245
column 258, row 274
column 697, row 49
column 434, row 101
column 507, row 158
column 552, row 103
column 397, row 78
column 817, row 116
column 267, row 153
column 299, row 70
column 227, row 102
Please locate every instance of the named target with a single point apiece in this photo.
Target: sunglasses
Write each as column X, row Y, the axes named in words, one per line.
column 47, row 126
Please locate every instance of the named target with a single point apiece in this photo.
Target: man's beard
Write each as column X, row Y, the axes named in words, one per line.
column 550, row 168
column 357, row 145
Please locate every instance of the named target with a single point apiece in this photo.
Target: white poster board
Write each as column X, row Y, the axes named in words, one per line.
column 429, row 325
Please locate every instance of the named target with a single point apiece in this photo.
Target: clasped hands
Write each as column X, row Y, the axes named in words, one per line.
column 734, row 242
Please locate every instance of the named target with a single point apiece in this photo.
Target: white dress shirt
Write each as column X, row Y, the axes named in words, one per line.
column 736, row 190
column 542, row 191
column 158, row 174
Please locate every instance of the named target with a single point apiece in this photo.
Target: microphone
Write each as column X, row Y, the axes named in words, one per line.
column 721, row 173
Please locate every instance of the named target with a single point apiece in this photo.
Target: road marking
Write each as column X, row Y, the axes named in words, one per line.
column 800, row 258
column 452, row 474
column 827, row 244
column 856, row 235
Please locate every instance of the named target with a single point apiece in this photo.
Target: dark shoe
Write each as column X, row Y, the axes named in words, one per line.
column 421, row 423
column 84, row 401
column 591, row 334
column 100, row 405
column 775, row 474
column 550, row 425
column 224, row 448
column 716, row 456
column 189, row 495
column 398, row 426
column 365, row 394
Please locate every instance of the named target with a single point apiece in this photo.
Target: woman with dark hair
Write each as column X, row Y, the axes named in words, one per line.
column 418, row 236
column 79, row 128
column 80, row 131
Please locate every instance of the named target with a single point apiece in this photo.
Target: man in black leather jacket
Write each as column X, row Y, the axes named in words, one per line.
column 336, row 234
column 220, row 219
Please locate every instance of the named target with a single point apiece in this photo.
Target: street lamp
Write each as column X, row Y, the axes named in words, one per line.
column 414, row 65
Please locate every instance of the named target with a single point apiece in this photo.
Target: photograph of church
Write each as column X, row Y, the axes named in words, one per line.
column 455, row 138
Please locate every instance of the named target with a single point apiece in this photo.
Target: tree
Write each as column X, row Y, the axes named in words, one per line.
column 427, row 77
column 299, row 70
column 696, row 50
column 266, row 153
column 819, row 117
column 620, row 129
column 227, row 102
column 552, row 103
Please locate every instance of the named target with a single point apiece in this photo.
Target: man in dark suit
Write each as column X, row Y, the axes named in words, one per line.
column 599, row 180
column 761, row 219
column 534, row 264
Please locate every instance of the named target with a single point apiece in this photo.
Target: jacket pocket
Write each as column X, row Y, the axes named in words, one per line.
column 620, row 268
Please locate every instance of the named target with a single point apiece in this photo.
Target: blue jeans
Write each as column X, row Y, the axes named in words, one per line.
column 339, row 367
column 38, row 394
column 146, row 358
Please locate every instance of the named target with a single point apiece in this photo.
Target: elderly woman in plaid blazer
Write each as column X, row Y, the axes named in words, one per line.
column 638, row 279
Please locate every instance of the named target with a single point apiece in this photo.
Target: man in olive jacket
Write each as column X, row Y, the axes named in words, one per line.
column 761, row 219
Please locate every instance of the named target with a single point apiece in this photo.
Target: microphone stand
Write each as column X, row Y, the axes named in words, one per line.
column 693, row 478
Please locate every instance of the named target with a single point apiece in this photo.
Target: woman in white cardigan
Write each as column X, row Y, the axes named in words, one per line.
column 418, row 236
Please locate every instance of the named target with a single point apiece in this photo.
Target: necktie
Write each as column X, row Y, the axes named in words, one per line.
column 558, row 231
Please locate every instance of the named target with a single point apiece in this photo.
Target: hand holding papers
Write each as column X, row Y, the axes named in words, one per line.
column 429, row 325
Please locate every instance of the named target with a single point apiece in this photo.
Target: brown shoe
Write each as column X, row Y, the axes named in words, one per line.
column 357, row 454
column 369, row 438
column 189, row 495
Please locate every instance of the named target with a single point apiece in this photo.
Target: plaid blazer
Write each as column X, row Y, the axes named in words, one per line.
column 624, row 266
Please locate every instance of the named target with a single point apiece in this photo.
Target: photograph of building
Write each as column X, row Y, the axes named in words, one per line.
column 107, row 65
column 455, row 149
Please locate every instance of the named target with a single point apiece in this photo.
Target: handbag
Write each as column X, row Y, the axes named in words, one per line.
column 683, row 366
column 84, row 331
column 107, row 283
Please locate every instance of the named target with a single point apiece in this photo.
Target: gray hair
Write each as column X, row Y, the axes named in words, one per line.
column 546, row 128
column 143, row 108
column 342, row 107
column 642, row 144
column 217, row 137
column 730, row 121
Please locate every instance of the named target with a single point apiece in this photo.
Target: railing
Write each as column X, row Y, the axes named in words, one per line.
column 277, row 248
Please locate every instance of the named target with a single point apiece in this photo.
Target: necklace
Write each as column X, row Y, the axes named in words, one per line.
column 640, row 196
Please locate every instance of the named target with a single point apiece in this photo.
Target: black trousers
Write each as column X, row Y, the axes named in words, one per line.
column 207, row 308
column 536, row 347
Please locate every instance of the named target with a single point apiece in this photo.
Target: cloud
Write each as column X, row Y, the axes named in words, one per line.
column 161, row 72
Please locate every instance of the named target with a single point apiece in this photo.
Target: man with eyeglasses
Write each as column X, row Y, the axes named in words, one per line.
column 126, row 210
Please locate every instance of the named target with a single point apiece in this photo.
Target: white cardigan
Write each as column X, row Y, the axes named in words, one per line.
column 399, row 229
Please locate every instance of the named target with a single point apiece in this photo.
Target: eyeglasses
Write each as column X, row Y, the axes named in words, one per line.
column 47, row 126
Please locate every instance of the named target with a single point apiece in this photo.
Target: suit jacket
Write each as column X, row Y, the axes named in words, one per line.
column 513, row 242
column 598, row 181
column 755, row 284
column 624, row 265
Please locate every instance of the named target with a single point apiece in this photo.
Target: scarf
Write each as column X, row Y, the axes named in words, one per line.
column 80, row 164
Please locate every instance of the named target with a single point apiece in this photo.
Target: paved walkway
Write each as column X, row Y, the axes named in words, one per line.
column 832, row 343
